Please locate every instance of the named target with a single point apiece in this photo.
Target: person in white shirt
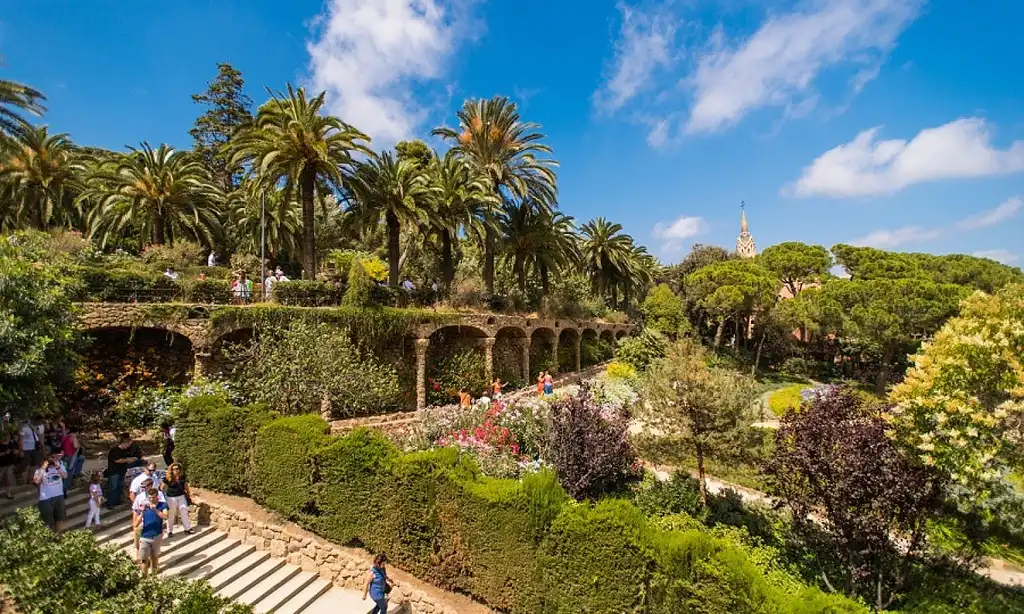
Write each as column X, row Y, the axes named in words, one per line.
column 170, row 274
column 95, row 498
column 50, row 480
column 138, row 484
column 31, row 435
column 279, row 275
column 139, row 504
column 211, row 260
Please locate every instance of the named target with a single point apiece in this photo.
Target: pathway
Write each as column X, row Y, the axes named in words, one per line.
column 235, row 569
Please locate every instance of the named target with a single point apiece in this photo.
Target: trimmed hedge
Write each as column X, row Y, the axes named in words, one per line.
column 307, row 293
column 519, row 546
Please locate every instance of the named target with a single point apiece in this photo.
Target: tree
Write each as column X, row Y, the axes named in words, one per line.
column 731, row 289
column 700, row 256
column 14, row 98
column 664, row 311
column 249, row 217
column 492, row 136
column 165, row 193
column 833, row 458
column 39, row 179
column 394, row 190
column 960, row 408
column 37, row 323
column 227, row 111
column 797, row 264
column 558, row 249
column 706, row 405
column 291, row 141
column 606, row 252
column 891, row 312
column 417, row 152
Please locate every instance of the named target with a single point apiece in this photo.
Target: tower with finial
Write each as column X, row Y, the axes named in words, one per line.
column 745, row 247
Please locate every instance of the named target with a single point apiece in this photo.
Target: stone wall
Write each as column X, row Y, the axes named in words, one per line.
column 345, row 567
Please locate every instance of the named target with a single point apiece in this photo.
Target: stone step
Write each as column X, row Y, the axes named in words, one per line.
column 201, row 555
column 269, row 584
column 295, row 585
column 305, row 597
column 225, row 561
column 222, row 577
column 340, row 601
column 243, row 583
column 115, row 524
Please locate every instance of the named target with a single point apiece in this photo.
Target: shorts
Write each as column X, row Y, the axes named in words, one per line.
column 52, row 510
column 548, row 388
column 149, row 548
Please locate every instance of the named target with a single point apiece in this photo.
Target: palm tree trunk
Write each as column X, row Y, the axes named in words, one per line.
column 307, row 186
column 159, row 234
column 447, row 261
column 489, row 241
column 394, row 231
column 615, row 296
column 520, row 267
column 545, row 281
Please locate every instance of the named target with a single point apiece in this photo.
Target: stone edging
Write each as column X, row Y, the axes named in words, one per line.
column 342, row 566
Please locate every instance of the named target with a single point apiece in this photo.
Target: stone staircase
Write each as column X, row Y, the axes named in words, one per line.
column 236, row 570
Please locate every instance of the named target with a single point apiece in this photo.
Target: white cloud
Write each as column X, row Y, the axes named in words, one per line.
column 645, row 44
column 1005, row 211
column 673, row 235
column 889, row 238
column 778, row 64
column 368, row 55
column 999, row 255
column 866, row 166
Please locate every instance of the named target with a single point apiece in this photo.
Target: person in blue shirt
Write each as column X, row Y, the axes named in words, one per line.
column 151, row 518
column 378, row 585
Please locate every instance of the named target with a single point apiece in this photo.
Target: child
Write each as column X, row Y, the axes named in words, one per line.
column 95, row 498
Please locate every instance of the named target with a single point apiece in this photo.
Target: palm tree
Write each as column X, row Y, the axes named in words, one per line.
column 558, row 249
column 493, row 138
column 605, row 253
column 463, row 200
column 392, row 189
column 164, row 193
column 522, row 233
column 15, row 97
column 245, row 217
column 39, row 179
column 637, row 274
column 291, row 141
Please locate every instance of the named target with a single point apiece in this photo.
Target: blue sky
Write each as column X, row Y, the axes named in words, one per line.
column 894, row 123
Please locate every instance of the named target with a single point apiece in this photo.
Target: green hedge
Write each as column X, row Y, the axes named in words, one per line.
column 519, row 546
column 307, row 293
column 126, row 285
column 214, row 441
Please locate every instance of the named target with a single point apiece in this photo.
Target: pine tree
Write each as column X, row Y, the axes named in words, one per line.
column 227, row 109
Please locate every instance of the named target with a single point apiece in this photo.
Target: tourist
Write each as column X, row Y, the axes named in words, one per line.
column 52, row 436
column 137, row 486
column 121, row 457
column 95, row 499
column 377, row 585
column 10, row 456
column 31, row 436
column 496, row 387
column 50, row 480
column 540, row 384
column 211, row 260
column 178, row 499
column 170, row 274
column 465, row 400
column 167, row 430
column 407, row 286
column 549, row 384
column 140, row 503
column 74, row 456
column 150, row 520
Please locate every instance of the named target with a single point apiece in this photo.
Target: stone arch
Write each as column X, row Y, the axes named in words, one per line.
column 190, row 323
column 511, row 356
column 543, row 351
column 590, row 353
column 568, row 350
column 620, row 334
column 457, row 356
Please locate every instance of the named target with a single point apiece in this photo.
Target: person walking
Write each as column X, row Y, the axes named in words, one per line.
column 178, row 499
column 140, row 503
column 150, row 520
column 95, row 499
column 377, row 585
column 168, row 433
column 10, row 456
column 119, row 459
column 74, row 458
column 50, row 480
column 549, row 384
column 31, row 437
column 138, row 485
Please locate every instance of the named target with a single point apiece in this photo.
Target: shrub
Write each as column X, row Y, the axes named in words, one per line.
column 665, row 311
column 460, row 368
column 127, row 285
column 359, row 286
column 91, row 578
column 339, row 262
column 678, row 494
column 786, row 399
column 307, row 293
column 207, row 291
column 468, row 293
column 143, row 408
column 621, row 370
column 213, row 441
column 588, row 445
column 640, row 351
column 179, row 256
column 250, row 263
column 282, row 476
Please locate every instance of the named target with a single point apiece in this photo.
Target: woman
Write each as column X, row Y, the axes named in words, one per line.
column 178, row 497
column 497, row 387
column 540, row 384
column 377, row 585
column 549, row 384
column 74, row 459
column 168, row 434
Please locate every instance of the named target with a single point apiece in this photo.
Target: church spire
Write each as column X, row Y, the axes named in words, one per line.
column 745, row 247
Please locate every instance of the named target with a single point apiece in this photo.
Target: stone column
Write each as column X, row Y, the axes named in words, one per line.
column 579, row 351
column 554, row 352
column 203, row 365
column 421, row 372
column 526, row 361
column 489, row 362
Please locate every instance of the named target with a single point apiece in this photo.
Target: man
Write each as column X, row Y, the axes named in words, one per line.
column 50, row 480
column 31, row 435
column 150, row 521
column 268, row 285
column 121, row 457
column 148, row 475
column 140, row 503
column 211, row 260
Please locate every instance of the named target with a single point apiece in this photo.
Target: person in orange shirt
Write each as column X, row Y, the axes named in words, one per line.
column 496, row 387
column 464, row 399
column 540, row 384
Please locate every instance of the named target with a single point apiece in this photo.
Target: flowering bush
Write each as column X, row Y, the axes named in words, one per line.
column 144, row 408
column 620, row 370
column 616, row 393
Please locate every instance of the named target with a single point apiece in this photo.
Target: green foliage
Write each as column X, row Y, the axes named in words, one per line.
column 294, row 369
column 867, row 263
column 213, row 440
column 116, row 285
column 91, row 578
column 340, row 261
column 307, row 293
column 642, row 350
column 786, row 399
column 664, row 311
column 143, row 408
column 250, row 263
column 621, row 370
column 227, row 110
column 796, row 264
column 179, row 256
column 214, row 291
column 731, row 289
column 459, row 369
column 282, row 475
column 359, row 286
column 37, row 326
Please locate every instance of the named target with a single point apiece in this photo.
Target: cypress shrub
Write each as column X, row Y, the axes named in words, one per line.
column 214, row 440
column 282, row 473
